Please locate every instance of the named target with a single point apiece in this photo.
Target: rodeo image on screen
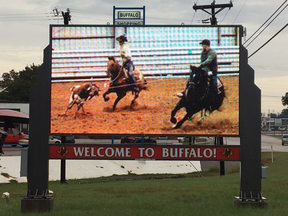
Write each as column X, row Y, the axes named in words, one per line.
column 172, row 80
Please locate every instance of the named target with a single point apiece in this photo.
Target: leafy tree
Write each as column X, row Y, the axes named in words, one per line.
column 285, row 99
column 273, row 115
column 284, row 113
column 15, row 86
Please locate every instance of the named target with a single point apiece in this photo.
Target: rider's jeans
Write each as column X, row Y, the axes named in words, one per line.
column 129, row 66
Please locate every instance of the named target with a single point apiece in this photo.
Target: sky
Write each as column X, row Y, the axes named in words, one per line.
column 25, row 32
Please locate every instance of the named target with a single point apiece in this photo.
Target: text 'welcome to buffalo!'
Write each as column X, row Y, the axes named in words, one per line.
column 144, row 152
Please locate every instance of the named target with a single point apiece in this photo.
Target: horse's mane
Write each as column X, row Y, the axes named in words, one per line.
column 114, row 66
column 197, row 87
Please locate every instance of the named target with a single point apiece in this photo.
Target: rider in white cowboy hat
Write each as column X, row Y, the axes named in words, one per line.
column 126, row 57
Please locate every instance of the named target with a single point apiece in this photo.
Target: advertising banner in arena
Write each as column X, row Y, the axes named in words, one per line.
column 152, row 80
column 120, row 152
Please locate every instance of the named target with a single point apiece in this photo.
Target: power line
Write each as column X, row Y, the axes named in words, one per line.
column 268, row 40
column 30, row 14
column 268, row 25
column 267, row 67
column 25, row 17
column 193, row 14
column 82, row 11
column 224, row 16
column 265, row 22
column 273, row 96
column 226, row 13
column 239, row 12
column 89, row 18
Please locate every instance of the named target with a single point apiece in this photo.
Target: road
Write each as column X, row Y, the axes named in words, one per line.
column 268, row 143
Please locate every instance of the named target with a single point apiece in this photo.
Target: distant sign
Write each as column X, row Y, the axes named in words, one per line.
column 129, row 14
column 129, row 22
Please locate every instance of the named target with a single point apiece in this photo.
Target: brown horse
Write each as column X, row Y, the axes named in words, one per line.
column 120, row 82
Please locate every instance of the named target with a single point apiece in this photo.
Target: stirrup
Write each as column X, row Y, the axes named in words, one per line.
column 210, row 109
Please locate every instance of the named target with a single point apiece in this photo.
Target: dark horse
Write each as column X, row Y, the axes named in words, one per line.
column 196, row 97
column 120, row 82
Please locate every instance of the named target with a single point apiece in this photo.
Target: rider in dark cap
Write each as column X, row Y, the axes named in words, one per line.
column 126, row 57
column 208, row 63
column 205, row 42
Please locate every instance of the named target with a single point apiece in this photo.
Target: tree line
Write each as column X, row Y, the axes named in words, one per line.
column 15, row 87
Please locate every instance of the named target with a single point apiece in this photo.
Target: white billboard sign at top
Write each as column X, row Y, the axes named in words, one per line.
column 129, row 15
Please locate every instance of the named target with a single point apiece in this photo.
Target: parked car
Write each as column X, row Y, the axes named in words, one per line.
column 25, row 141
column 282, row 128
column 69, row 139
column 284, row 139
column 130, row 139
column 265, row 128
column 13, row 136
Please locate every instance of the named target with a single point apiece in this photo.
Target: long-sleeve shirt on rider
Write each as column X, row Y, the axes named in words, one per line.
column 209, row 61
column 125, row 53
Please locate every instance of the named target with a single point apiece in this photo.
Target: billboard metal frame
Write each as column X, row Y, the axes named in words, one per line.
column 38, row 153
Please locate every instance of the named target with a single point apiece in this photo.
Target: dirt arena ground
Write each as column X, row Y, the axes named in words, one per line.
column 150, row 115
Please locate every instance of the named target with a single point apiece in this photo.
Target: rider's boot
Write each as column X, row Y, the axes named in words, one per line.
column 133, row 82
column 179, row 94
column 136, row 88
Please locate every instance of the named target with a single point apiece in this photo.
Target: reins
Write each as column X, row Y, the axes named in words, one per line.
column 116, row 76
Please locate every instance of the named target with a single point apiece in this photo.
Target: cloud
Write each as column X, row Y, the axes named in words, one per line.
column 25, row 29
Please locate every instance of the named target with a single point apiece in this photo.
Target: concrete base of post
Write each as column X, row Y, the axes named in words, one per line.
column 37, row 204
column 250, row 203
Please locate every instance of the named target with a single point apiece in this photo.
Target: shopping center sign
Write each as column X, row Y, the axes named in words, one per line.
column 129, row 16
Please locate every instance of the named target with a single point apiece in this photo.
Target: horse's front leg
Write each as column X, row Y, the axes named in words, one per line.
column 185, row 118
column 106, row 98
column 136, row 95
column 175, row 110
column 119, row 97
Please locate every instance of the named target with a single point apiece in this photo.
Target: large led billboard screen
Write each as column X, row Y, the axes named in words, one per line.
column 82, row 77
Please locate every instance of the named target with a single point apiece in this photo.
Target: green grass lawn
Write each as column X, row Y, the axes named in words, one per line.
column 189, row 194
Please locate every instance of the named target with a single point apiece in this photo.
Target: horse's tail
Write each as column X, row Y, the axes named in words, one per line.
column 224, row 92
column 222, row 88
column 141, row 79
column 144, row 84
column 145, row 87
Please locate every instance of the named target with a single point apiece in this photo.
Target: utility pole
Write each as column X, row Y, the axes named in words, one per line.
column 66, row 16
column 213, row 6
column 213, row 21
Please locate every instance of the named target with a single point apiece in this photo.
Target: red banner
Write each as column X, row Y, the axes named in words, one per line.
column 120, row 152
